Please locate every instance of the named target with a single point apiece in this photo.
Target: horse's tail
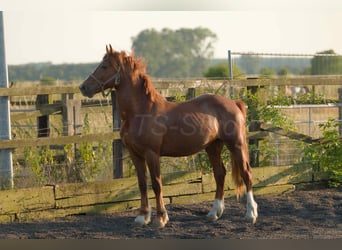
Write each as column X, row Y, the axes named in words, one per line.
column 241, row 105
column 237, row 166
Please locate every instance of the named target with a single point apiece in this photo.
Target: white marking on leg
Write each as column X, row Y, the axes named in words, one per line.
column 217, row 210
column 140, row 220
column 252, row 208
column 144, row 219
column 164, row 219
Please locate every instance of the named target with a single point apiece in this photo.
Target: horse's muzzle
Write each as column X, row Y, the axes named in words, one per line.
column 86, row 91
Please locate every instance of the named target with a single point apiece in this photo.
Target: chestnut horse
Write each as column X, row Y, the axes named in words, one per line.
column 153, row 127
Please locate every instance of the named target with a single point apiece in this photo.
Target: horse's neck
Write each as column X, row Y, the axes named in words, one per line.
column 134, row 101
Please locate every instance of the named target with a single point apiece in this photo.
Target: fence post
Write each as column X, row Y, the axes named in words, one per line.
column 68, row 114
column 117, row 144
column 253, row 126
column 230, row 74
column 340, row 110
column 230, row 66
column 71, row 113
column 72, row 125
column 6, row 167
column 191, row 93
column 43, row 122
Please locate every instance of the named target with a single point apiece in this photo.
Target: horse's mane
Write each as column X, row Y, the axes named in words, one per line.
column 137, row 69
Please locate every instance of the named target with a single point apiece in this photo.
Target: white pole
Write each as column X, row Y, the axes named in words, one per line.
column 230, row 66
column 6, row 167
column 230, row 74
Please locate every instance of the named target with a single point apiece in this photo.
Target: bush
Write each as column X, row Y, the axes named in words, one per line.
column 220, row 71
column 48, row 81
column 326, row 156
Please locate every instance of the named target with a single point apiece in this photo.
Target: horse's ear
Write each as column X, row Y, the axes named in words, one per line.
column 109, row 49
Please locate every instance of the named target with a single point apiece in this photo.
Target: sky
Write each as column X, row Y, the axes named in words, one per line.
column 76, row 31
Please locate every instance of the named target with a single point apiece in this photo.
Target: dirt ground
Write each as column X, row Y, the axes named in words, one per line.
column 303, row 214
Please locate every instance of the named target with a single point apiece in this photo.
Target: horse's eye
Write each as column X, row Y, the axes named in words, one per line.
column 103, row 67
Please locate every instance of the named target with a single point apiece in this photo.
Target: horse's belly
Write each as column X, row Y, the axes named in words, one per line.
column 185, row 145
column 190, row 135
column 180, row 151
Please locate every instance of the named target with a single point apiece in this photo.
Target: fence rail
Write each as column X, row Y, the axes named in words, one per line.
column 283, row 54
column 163, row 84
column 47, row 141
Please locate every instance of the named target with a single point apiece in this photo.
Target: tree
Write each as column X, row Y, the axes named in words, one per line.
column 266, row 73
column 283, row 72
column 220, row 71
column 250, row 64
column 36, row 71
column 326, row 65
column 175, row 53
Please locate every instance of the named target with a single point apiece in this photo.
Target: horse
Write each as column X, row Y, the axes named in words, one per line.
column 153, row 127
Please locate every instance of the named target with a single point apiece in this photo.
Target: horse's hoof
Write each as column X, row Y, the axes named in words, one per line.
column 252, row 212
column 251, row 219
column 217, row 210
column 142, row 220
column 212, row 217
column 162, row 221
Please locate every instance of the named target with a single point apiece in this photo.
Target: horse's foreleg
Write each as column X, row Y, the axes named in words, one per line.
column 153, row 162
column 214, row 153
column 144, row 216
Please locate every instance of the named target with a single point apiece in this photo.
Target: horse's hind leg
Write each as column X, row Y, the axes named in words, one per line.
column 252, row 206
column 242, row 169
column 214, row 153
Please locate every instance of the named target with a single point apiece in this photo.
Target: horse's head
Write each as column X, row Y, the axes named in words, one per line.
column 105, row 76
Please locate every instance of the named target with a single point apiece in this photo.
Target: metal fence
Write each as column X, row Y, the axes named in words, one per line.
column 282, row 64
column 311, row 72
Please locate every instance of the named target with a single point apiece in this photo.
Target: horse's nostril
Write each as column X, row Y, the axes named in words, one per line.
column 83, row 89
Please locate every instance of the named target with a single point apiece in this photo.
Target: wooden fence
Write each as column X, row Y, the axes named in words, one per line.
column 70, row 107
column 121, row 194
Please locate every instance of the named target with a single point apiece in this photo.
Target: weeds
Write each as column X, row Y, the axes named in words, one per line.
column 76, row 163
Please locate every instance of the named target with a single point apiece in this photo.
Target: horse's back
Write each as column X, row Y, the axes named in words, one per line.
column 229, row 114
column 220, row 106
column 198, row 122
